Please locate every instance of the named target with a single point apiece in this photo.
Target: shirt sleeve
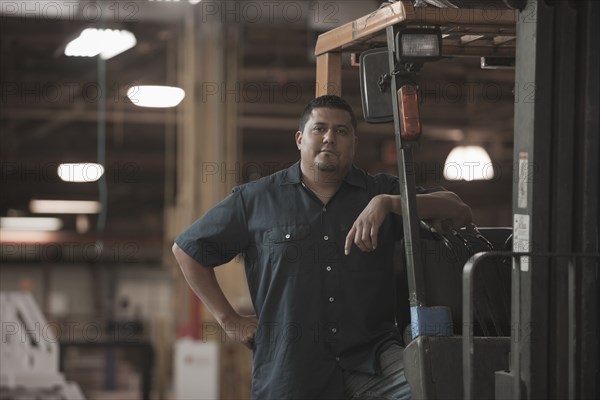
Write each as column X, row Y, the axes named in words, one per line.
column 219, row 235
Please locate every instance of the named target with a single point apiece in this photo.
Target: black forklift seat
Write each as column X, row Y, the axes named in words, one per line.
column 433, row 364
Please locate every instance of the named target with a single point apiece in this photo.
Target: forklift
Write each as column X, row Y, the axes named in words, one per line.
column 515, row 313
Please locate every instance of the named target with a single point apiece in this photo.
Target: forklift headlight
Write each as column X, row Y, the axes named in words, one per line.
column 419, row 44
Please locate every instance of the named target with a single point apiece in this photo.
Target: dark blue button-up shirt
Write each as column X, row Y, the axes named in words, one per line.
column 319, row 311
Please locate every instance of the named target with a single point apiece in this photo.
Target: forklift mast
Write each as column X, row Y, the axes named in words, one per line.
column 548, row 346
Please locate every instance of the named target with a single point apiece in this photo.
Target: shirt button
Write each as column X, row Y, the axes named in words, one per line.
column 337, row 359
column 287, row 236
column 333, row 330
column 331, row 299
column 326, row 237
column 328, row 268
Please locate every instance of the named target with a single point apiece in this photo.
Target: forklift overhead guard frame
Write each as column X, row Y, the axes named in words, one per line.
column 484, row 32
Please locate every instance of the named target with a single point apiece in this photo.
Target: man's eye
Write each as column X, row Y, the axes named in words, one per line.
column 318, row 129
column 342, row 132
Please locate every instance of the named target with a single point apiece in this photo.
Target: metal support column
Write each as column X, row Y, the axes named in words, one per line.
column 416, row 284
column 531, row 191
column 555, row 200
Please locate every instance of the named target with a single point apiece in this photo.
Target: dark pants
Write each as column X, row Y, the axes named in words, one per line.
column 390, row 384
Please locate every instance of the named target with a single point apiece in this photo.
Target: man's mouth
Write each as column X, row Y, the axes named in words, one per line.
column 329, row 152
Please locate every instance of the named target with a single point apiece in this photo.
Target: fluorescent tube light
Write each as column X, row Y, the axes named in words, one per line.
column 30, row 224
column 64, row 207
column 468, row 163
column 155, row 96
column 80, row 172
column 192, row 2
column 104, row 42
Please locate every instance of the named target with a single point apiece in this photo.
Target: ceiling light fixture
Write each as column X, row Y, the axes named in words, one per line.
column 104, row 42
column 30, row 224
column 155, row 96
column 80, row 172
column 192, row 2
column 64, row 207
column 468, row 163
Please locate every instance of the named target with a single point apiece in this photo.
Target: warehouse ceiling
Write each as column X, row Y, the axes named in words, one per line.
column 51, row 112
column 50, row 115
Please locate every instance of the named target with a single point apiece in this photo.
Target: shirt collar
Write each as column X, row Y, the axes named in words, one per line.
column 293, row 175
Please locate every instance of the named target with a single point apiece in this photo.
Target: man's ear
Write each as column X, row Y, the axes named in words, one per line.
column 298, row 139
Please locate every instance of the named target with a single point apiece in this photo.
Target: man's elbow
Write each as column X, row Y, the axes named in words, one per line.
column 186, row 263
column 179, row 254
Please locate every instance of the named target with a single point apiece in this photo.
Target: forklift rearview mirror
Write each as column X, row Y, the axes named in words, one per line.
column 375, row 88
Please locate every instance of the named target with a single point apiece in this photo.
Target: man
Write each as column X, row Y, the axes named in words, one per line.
column 318, row 242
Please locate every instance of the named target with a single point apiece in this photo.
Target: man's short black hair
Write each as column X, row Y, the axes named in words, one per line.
column 326, row 101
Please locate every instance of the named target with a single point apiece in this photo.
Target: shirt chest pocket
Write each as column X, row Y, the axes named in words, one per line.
column 289, row 249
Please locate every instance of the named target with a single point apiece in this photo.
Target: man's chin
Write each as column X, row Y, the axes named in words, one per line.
column 324, row 167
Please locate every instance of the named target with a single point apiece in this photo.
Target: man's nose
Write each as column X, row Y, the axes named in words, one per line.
column 329, row 136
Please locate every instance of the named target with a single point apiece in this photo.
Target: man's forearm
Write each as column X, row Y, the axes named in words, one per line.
column 394, row 203
column 435, row 206
column 204, row 283
column 444, row 205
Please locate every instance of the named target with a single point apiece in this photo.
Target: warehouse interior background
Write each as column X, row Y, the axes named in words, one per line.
column 106, row 280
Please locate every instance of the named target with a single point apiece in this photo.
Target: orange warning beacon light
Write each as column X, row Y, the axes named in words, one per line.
column 408, row 104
